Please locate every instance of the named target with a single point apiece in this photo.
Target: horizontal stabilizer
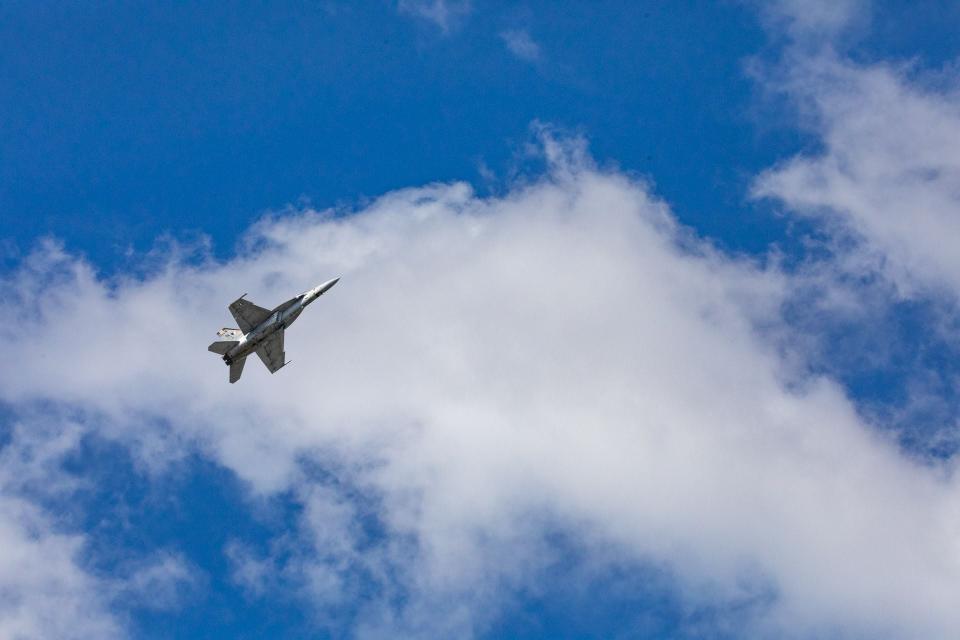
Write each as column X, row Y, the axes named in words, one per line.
column 222, row 346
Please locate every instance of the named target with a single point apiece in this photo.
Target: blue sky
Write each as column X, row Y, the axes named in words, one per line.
column 647, row 309
column 129, row 121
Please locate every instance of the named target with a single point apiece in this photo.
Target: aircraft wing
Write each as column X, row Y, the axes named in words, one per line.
column 271, row 351
column 247, row 314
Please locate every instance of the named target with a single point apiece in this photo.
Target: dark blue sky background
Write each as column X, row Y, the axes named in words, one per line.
column 124, row 121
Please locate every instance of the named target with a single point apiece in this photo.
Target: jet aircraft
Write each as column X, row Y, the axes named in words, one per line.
column 261, row 331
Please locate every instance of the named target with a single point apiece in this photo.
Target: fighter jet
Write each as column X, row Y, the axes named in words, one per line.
column 261, row 331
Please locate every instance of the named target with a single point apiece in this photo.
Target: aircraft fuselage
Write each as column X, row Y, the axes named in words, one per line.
column 261, row 331
column 279, row 320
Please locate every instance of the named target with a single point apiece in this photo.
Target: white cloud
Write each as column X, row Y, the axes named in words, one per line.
column 44, row 590
column 566, row 350
column 520, row 44
column 445, row 14
column 813, row 22
column 889, row 172
column 887, row 175
column 160, row 581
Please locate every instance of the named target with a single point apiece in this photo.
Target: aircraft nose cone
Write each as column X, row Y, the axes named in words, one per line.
column 328, row 284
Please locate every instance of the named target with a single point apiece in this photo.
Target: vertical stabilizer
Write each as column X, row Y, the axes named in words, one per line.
column 236, row 368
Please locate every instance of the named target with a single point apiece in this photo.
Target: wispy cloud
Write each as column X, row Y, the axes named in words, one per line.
column 447, row 15
column 884, row 189
column 813, row 22
column 889, row 171
column 522, row 45
column 44, row 590
column 46, row 587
